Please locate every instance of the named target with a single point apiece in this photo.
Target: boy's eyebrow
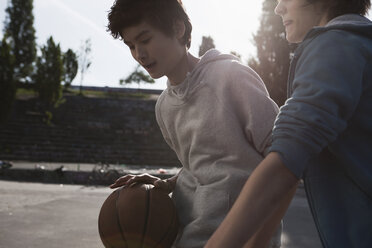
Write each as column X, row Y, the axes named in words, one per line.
column 138, row 36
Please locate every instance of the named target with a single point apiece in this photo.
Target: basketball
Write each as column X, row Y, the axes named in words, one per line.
column 138, row 216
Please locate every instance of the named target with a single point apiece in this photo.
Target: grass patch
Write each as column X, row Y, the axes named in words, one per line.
column 23, row 93
column 110, row 94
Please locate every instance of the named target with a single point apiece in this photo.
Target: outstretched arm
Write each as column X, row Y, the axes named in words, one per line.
column 167, row 185
column 263, row 237
column 268, row 189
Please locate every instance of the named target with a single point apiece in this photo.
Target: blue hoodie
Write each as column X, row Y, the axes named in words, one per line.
column 324, row 131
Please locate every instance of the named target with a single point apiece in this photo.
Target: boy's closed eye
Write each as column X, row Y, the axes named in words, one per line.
column 143, row 41
column 146, row 41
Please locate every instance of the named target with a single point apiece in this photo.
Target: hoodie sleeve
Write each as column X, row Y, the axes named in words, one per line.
column 251, row 104
column 326, row 90
column 159, row 120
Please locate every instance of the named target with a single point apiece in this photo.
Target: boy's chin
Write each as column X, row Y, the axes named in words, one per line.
column 156, row 76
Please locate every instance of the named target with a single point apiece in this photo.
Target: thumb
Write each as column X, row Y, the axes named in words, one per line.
column 163, row 185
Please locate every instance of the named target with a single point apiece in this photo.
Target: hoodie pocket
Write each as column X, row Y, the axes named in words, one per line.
column 210, row 207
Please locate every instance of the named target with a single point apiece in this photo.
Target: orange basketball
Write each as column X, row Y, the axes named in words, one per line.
column 139, row 216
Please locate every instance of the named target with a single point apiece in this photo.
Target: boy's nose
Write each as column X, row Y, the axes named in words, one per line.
column 140, row 54
column 279, row 9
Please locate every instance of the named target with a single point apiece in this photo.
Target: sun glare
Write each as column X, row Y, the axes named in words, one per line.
column 230, row 23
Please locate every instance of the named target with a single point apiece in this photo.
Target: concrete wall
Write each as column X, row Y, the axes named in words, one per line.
column 86, row 130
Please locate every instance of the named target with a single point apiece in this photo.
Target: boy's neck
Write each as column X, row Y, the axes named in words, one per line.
column 185, row 65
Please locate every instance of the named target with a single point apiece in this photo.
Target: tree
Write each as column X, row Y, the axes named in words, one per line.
column 49, row 74
column 273, row 53
column 71, row 66
column 137, row 76
column 7, row 84
column 85, row 60
column 207, row 43
column 236, row 54
column 20, row 35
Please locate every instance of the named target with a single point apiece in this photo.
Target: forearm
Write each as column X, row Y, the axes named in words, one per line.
column 260, row 197
column 265, row 234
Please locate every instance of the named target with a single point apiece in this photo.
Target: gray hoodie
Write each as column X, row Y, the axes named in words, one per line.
column 219, row 123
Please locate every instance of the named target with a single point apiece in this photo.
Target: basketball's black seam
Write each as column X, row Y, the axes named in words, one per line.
column 147, row 214
column 118, row 217
column 104, row 240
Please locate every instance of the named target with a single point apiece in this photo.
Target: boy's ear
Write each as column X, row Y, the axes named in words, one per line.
column 179, row 29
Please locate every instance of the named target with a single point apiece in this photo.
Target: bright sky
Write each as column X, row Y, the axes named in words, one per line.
column 70, row 22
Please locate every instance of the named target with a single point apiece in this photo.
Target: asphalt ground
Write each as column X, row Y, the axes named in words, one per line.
column 41, row 214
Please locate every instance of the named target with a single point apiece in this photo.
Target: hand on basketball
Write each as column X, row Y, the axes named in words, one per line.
column 128, row 180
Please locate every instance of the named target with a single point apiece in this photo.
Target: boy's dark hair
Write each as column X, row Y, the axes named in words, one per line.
column 341, row 7
column 161, row 14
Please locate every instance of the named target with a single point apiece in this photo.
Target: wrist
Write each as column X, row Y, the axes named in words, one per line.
column 171, row 184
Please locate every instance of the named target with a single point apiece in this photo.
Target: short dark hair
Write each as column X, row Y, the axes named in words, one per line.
column 341, row 7
column 161, row 14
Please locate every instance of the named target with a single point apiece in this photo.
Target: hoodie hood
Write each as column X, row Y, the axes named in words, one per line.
column 349, row 22
column 181, row 92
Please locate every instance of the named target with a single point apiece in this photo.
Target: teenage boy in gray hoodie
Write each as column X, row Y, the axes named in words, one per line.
column 215, row 114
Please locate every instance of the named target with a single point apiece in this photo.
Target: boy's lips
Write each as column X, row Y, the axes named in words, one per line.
column 149, row 66
column 287, row 23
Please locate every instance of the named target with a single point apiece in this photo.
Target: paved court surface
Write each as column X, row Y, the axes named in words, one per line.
column 37, row 215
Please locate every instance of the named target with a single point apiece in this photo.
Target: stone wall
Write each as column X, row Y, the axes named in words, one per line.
column 86, row 130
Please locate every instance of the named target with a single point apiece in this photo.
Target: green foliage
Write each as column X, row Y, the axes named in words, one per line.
column 20, row 35
column 7, row 83
column 47, row 119
column 137, row 76
column 207, row 44
column 49, row 74
column 273, row 53
column 71, row 66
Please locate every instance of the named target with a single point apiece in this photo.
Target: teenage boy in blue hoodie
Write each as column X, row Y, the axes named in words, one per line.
column 323, row 133
column 215, row 114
